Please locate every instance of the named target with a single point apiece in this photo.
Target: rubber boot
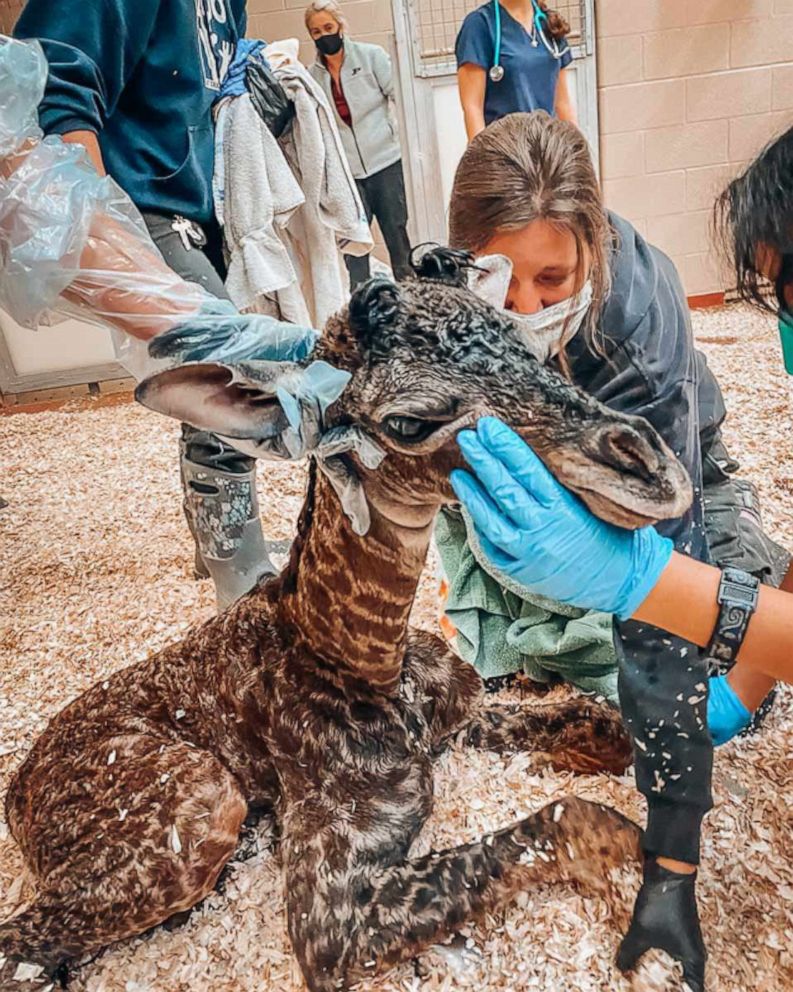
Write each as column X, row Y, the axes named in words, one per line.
column 200, row 571
column 222, row 513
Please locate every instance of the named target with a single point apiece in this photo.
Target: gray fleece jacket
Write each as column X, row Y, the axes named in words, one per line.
column 372, row 143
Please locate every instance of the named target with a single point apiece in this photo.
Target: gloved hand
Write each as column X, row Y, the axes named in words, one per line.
column 246, row 52
column 665, row 917
column 727, row 716
column 220, row 334
column 537, row 532
column 279, row 412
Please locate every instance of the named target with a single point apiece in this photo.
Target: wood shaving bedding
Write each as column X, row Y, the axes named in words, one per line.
column 95, row 574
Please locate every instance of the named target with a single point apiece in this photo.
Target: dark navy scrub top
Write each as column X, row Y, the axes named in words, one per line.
column 530, row 74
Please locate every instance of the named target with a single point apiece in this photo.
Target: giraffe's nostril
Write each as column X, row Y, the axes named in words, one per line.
column 624, row 449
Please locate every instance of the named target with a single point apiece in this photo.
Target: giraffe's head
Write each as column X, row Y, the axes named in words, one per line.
column 427, row 357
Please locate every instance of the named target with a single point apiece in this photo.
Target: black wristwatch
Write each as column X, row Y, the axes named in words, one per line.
column 737, row 598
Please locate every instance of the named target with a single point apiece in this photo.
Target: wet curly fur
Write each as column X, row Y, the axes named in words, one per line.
column 384, row 317
column 311, row 697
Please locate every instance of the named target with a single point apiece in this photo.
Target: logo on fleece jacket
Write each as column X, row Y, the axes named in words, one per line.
column 215, row 43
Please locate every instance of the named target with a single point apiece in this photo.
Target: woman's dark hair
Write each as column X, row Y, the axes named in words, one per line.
column 755, row 213
column 558, row 27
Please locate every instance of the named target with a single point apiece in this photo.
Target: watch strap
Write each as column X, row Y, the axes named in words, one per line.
column 737, row 597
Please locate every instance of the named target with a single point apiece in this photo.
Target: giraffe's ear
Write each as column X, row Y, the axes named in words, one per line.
column 232, row 400
column 262, row 407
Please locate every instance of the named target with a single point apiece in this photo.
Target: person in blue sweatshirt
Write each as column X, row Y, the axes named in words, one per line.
column 135, row 84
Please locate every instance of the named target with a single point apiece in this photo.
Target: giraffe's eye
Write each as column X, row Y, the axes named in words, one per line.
column 409, row 430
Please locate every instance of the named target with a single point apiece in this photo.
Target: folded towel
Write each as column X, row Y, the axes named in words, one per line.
column 502, row 628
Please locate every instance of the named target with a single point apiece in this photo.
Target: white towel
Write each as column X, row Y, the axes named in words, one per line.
column 283, row 52
column 287, row 206
column 332, row 217
column 261, row 197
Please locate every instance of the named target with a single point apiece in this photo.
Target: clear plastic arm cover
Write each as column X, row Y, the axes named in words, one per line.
column 72, row 243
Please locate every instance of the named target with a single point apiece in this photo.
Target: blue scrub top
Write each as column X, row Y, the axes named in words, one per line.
column 530, row 73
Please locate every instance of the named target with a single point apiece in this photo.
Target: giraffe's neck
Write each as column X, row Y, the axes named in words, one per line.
column 349, row 597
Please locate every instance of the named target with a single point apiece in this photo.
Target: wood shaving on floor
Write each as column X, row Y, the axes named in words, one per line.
column 96, row 574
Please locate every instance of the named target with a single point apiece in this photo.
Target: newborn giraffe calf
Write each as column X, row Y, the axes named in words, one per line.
column 311, row 696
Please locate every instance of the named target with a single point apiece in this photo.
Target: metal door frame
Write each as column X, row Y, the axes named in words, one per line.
column 420, row 155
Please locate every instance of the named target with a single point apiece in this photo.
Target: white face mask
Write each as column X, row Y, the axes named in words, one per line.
column 545, row 332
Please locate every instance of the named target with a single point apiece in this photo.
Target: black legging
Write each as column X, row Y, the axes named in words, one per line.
column 383, row 197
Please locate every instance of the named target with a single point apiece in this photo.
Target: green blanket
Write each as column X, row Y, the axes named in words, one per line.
column 502, row 628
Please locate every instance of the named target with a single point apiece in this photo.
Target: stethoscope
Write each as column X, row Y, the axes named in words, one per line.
column 496, row 72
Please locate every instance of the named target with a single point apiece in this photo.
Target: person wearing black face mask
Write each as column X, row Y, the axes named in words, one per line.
column 357, row 80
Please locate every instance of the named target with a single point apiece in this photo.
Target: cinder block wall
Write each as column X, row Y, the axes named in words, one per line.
column 690, row 91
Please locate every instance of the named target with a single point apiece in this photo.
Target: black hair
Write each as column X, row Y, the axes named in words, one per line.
column 756, row 210
column 374, row 306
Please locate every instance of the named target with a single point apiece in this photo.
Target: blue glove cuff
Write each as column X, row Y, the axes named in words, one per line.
column 727, row 716
column 650, row 555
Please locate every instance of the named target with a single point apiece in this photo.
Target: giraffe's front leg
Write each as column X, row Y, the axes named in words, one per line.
column 578, row 734
column 350, row 918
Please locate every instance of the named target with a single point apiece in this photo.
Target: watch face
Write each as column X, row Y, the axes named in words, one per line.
column 738, row 588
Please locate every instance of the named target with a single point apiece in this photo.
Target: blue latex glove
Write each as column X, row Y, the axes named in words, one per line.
column 543, row 536
column 233, row 83
column 727, row 716
column 220, row 334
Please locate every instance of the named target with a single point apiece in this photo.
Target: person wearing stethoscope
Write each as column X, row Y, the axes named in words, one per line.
column 511, row 57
